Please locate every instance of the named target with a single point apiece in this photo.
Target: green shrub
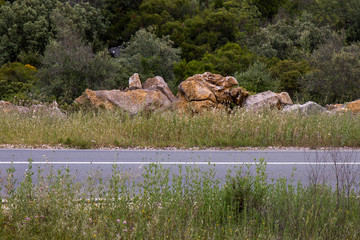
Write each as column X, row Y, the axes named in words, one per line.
column 16, row 79
column 149, row 56
column 336, row 74
column 226, row 61
column 289, row 40
column 256, row 78
column 288, row 74
column 245, row 191
column 69, row 66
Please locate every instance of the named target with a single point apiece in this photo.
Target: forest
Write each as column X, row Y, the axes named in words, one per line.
column 55, row 49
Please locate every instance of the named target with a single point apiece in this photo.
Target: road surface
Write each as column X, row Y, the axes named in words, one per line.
column 310, row 165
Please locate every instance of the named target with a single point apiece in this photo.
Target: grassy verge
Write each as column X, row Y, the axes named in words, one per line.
column 241, row 129
column 187, row 205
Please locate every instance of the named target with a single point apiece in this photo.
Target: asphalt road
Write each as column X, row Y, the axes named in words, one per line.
column 304, row 166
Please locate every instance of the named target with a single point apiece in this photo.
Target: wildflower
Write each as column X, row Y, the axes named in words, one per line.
column 27, row 219
column 125, row 230
column 124, row 222
column 118, row 220
column 90, row 219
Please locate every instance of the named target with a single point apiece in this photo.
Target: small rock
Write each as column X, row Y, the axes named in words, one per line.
column 134, row 82
column 285, row 99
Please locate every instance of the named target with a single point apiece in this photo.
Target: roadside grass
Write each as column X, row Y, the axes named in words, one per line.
column 187, row 204
column 86, row 129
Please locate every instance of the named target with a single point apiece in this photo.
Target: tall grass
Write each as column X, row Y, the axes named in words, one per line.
column 212, row 129
column 188, row 204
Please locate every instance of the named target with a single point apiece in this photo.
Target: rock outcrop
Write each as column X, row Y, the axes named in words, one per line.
column 154, row 95
column 134, row 101
column 269, row 100
column 37, row 109
column 306, row 108
column 208, row 91
column 353, row 106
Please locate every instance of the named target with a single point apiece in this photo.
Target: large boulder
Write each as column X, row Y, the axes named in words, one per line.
column 133, row 101
column 183, row 105
column 306, row 108
column 153, row 95
column 209, row 91
column 158, row 83
column 196, row 90
column 267, row 99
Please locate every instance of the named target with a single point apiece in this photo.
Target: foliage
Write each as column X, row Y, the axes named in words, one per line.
column 289, row 73
column 269, row 8
column 69, row 67
column 336, row 74
column 226, row 61
column 85, row 19
column 24, row 26
column 340, row 15
column 27, row 26
column 256, row 78
column 17, row 80
column 289, row 40
column 149, row 56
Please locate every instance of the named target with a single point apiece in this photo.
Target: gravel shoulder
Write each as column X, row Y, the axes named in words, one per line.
column 57, row 147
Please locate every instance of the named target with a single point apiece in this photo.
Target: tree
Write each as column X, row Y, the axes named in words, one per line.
column 69, row 66
column 269, row 8
column 226, row 60
column 24, row 26
column 85, row 19
column 289, row 40
column 149, row 56
column 336, row 74
column 27, row 26
column 288, row 74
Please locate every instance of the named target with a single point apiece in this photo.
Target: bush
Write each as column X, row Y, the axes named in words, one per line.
column 226, row 61
column 16, row 79
column 70, row 66
column 288, row 74
column 246, row 192
column 336, row 78
column 289, row 40
column 149, row 56
column 256, row 78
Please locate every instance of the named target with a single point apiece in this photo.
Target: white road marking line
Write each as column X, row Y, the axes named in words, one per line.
column 178, row 163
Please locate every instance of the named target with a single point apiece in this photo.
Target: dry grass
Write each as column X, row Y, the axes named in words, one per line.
column 212, row 129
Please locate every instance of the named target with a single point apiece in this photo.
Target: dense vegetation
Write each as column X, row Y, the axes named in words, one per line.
column 178, row 203
column 54, row 49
